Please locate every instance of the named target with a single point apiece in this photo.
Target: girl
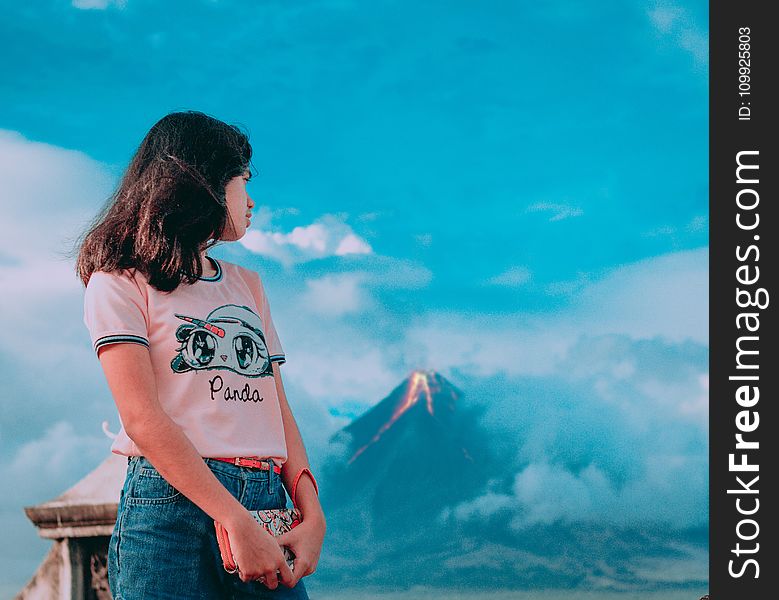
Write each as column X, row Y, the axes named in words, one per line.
column 192, row 357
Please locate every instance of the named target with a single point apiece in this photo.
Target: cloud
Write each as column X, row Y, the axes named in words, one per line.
column 49, row 194
column 328, row 236
column 677, row 23
column 337, row 369
column 336, row 295
column 387, row 272
column 697, row 224
column 352, row 244
column 616, row 433
column 602, row 407
column 513, row 277
column 424, row 239
column 671, row 494
column 606, row 399
column 46, row 360
column 37, row 471
column 47, row 191
column 664, row 296
column 98, row 4
column 59, row 456
column 549, row 494
column 482, row 506
column 560, row 211
column 690, row 564
column 664, row 17
column 569, row 287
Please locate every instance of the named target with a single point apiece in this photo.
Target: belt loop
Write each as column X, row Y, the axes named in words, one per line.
column 271, row 473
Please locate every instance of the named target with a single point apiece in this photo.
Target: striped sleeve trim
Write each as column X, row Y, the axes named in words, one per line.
column 279, row 358
column 113, row 339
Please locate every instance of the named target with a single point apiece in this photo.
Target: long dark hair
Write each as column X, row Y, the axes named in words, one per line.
column 170, row 203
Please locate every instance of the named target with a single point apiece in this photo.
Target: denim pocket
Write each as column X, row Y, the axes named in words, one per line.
column 149, row 487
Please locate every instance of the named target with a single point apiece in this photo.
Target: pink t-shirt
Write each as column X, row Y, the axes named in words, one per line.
column 211, row 346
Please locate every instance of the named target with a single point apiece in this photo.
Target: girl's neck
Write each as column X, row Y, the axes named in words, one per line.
column 208, row 267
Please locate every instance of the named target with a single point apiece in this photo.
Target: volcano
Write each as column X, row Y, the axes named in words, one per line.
column 414, row 452
column 392, row 501
column 425, row 398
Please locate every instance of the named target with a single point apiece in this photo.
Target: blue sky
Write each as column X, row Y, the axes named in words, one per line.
column 477, row 188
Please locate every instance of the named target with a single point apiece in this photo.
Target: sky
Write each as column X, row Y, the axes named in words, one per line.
column 512, row 193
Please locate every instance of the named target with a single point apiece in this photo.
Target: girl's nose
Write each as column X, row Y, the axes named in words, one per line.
column 250, row 201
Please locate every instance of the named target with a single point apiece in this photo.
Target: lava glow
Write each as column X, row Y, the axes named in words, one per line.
column 418, row 384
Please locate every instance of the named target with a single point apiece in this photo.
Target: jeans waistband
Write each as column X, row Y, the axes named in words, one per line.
column 218, row 465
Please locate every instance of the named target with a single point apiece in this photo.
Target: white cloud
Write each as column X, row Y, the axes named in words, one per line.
column 46, row 192
column 690, row 564
column 395, row 273
column 615, row 432
column 98, row 4
column 513, row 277
column 482, row 345
column 677, row 23
column 488, row 504
column 665, row 296
column 560, row 211
column 424, row 239
column 569, row 287
column 696, row 405
column 664, row 17
column 549, row 494
column 328, row 236
column 618, row 378
column 672, row 491
column 351, row 244
column 697, row 224
column 336, row 295
column 349, row 367
column 49, row 194
column 49, row 454
column 58, row 458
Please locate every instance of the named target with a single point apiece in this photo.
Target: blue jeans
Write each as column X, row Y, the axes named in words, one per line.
column 164, row 546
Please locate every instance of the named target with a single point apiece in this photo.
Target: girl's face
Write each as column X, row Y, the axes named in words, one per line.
column 239, row 208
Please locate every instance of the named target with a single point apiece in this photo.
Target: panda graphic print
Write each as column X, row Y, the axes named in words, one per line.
column 230, row 337
column 212, row 347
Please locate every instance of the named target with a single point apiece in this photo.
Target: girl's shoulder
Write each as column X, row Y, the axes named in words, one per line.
column 249, row 275
column 126, row 275
column 231, row 272
column 105, row 285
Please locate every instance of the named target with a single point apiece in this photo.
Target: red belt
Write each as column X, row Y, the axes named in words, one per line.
column 256, row 463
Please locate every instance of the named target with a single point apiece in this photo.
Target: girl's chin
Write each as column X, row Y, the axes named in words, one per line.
column 233, row 236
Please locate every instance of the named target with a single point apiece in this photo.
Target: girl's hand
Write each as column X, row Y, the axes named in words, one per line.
column 258, row 555
column 305, row 540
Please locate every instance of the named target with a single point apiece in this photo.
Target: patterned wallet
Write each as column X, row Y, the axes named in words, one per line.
column 274, row 520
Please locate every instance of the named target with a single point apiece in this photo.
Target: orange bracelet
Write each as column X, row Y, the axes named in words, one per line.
column 295, row 484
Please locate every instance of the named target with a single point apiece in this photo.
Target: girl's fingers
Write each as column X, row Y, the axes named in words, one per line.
column 271, row 580
column 287, row 539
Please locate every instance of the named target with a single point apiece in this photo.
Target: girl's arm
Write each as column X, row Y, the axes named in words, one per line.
column 307, row 499
column 305, row 539
column 130, row 377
